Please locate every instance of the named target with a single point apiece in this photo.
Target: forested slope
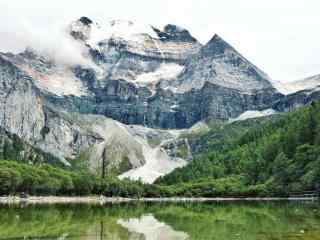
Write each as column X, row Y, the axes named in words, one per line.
column 279, row 157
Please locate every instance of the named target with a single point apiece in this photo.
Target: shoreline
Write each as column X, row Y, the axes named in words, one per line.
column 7, row 200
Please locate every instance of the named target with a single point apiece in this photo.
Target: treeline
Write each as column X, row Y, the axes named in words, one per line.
column 17, row 178
column 276, row 158
column 44, row 179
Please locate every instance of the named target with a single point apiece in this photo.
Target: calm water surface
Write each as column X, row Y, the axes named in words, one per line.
column 221, row 221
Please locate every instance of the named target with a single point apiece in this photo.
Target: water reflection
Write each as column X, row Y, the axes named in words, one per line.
column 248, row 221
column 151, row 228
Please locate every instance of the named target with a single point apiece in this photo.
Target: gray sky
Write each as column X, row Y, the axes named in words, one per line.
column 282, row 37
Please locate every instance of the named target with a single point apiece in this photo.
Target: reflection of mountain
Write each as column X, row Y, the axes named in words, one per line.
column 151, row 228
column 250, row 221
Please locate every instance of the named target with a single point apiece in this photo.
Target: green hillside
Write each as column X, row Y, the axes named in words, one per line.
column 279, row 157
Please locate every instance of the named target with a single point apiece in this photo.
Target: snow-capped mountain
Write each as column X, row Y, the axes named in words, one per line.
column 298, row 93
column 136, row 79
column 220, row 64
column 310, row 83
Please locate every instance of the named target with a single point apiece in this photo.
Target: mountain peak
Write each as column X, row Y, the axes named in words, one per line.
column 216, row 46
column 92, row 33
column 80, row 29
column 174, row 33
column 85, row 20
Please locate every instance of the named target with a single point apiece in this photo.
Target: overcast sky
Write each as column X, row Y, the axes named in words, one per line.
column 282, row 37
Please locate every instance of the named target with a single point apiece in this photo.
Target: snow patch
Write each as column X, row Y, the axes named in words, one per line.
column 296, row 86
column 253, row 114
column 158, row 164
column 127, row 30
column 165, row 71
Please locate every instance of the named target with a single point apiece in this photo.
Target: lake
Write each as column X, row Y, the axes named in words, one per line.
column 163, row 221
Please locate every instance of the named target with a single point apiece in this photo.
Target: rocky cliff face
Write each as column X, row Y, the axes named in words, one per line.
column 158, row 78
column 21, row 110
column 134, row 75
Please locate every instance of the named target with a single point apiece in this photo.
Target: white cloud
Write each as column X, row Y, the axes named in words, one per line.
column 281, row 37
column 50, row 39
column 56, row 43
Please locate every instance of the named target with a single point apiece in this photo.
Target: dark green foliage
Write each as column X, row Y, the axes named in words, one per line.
column 44, row 179
column 222, row 135
column 276, row 157
column 125, row 165
column 10, row 179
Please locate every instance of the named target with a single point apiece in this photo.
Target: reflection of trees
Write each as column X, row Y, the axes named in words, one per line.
column 55, row 221
column 219, row 221
column 241, row 221
column 101, row 230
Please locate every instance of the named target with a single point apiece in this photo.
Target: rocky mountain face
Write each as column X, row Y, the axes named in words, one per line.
column 136, row 80
column 166, row 78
